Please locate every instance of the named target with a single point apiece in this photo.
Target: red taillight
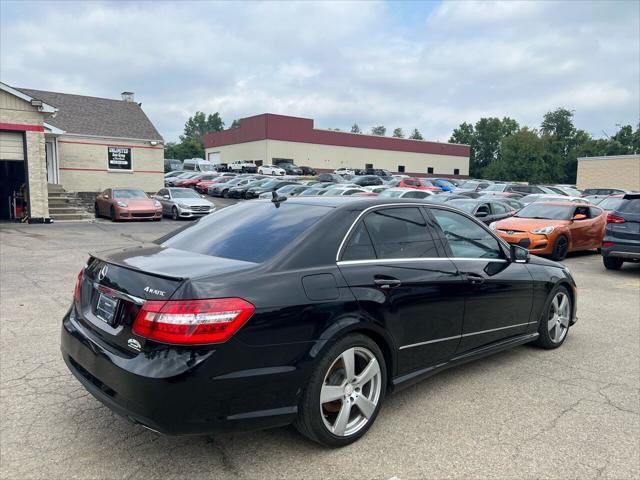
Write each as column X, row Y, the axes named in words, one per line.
column 76, row 290
column 192, row 322
column 611, row 218
column 607, row 244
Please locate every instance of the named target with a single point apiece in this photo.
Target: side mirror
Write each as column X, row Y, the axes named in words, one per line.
column 519, row 254
column 579, row 216
column 166, row 196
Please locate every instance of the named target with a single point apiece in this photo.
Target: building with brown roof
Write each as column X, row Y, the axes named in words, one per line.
column 83, row 143
column 269, row 139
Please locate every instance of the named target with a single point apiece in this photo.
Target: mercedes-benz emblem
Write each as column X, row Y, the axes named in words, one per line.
column 103, row 272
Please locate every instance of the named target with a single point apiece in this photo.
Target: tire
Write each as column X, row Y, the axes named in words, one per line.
column 174, row 214
column 225, row 193
column 112, row 214
column 560, row 248
column 612, row 263
column 555, row 320
column 96, row 210
column 342, row 421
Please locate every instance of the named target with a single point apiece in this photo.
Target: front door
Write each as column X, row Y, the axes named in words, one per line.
column 400, row 277
column 52, row 164
column 498, row 292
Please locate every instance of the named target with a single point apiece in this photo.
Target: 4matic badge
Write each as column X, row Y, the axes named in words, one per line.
column 153, row 291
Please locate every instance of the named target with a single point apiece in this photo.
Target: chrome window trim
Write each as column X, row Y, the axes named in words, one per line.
column 415, row 204
column 375, row 261
column 480, row 332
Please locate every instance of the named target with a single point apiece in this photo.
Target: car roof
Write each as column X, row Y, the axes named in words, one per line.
column 352, row 202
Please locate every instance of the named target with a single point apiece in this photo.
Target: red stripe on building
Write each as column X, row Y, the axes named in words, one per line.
column 294, row 129
column 106, row 170
column 19, row 127
column 110, row 144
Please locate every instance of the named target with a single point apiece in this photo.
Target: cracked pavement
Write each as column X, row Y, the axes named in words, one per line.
column 525, row 413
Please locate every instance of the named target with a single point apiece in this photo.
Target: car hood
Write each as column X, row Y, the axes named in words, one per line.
column 192, row 201
column 517, row 223
column 138, row 202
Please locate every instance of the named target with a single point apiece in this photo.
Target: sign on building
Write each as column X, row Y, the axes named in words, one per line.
column 119, row 158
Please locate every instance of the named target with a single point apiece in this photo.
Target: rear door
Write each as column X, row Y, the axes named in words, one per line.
column 396, row 270
column 498, row 292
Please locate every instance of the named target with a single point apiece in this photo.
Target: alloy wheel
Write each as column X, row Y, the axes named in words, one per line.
column 350, row 391
column 559, row 316
column 562, row 247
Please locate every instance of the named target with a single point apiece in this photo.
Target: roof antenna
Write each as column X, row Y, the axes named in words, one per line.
column 277, row 199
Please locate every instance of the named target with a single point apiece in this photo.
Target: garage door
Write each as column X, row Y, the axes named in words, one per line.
column 11, row 146
column 214, row 157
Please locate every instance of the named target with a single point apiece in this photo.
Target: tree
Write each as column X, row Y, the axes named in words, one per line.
column 200, row 124
column 235, row 123
column 355, row 128
column 188, row 147
column 379, row 130
column 416, row 135
column 398, row 133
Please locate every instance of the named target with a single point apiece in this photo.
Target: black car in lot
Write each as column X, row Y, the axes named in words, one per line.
column 307, row 170
column 622, row 236
column 306, row 311
column 330, row 177
column 367, row 180
column 270, row 186
column 290, row 168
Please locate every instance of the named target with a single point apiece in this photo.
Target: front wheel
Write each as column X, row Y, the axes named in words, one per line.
column 112, row 214
column 96, row 210
column 344, row 393
column 612, row 263
column 560, row 248
column 174, row 213
column 556, row 319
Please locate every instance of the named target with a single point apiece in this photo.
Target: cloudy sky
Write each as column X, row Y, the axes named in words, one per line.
column 425, row 65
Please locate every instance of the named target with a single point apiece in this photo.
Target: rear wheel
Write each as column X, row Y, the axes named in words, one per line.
column 174, row 213
column 345, row 392
column 96, row 210
column 225, row 193
column 560, row 248
column 556, row 319
column 612, row 263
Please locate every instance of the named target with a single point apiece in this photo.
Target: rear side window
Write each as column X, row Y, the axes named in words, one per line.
column 499, row 208
column 630, row 206
column 400, row 233
column 359, row 246
column 252, row 232
column 466, row 238
column 594, row 212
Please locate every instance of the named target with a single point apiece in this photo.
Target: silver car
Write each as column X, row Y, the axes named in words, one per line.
column 183, row 203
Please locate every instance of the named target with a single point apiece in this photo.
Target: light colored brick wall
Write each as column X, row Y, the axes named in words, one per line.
column 612, row 172
column 83, row 164
column 332, row 157
column 17, row 111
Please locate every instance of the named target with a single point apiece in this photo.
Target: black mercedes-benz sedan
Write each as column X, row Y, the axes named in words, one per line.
column 306, row 311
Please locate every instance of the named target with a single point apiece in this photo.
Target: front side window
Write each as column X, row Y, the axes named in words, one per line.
column 400, row 233
column 466, row 238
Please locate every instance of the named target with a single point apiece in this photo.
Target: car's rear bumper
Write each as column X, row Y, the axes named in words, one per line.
column 178, row 392
column 629, row 252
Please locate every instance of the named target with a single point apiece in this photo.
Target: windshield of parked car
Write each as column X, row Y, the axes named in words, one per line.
column 184, row 193
column 611, row 203
column 496, row 187
column 129, row 194
column 205, row 167
column 469, row 185
column 271, row 183
column 252, row 231
column 546, row 211
column 287, row 188
column 464, row 205
column 391, row 193
column 630, row 205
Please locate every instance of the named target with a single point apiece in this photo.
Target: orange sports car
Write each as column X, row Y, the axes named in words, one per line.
column 554, row 228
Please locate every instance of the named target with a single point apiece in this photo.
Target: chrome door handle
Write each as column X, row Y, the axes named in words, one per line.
column 387, row 282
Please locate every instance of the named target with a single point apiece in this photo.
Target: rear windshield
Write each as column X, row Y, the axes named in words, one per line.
column 544, row 210
column 129, row 194
column 464, row 205
column 629, row 206
column 252, row 232
column 611, row 203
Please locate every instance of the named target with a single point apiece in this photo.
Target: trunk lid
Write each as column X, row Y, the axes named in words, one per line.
column 117, row 282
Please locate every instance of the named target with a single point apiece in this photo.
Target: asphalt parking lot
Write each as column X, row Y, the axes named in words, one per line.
column 525, row 413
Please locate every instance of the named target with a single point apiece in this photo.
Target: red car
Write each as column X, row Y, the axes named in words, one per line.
column 191, row 182
column 203, row 185
column 418, row 184
column 127, row 204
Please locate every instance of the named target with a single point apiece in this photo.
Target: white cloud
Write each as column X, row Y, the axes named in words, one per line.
column 336, row 62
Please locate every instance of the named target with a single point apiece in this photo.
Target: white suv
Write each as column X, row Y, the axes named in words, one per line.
column 243, row 166
column 344, row 171
column 270, row 170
